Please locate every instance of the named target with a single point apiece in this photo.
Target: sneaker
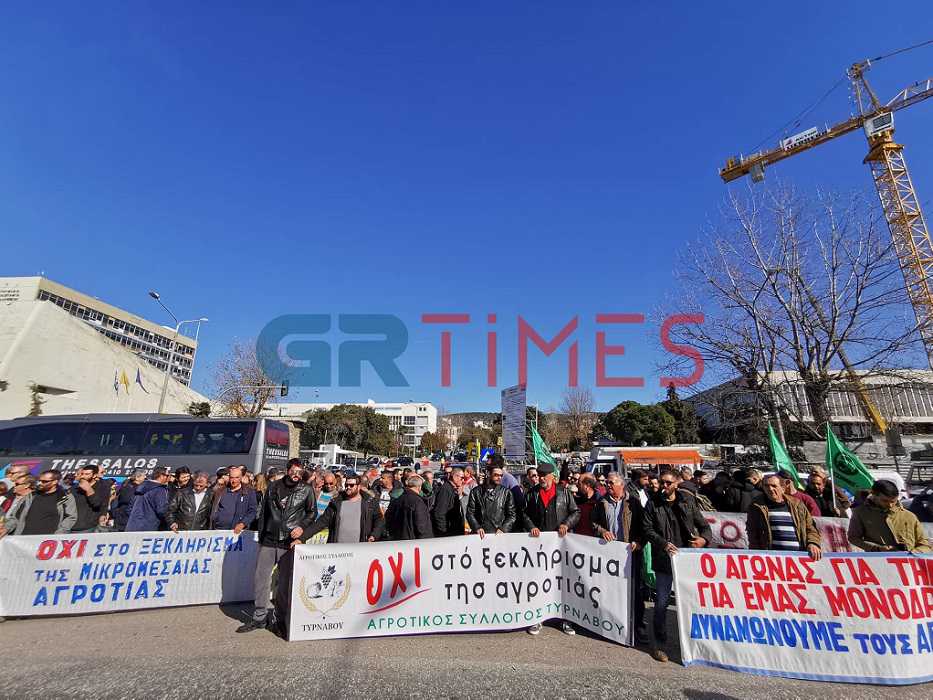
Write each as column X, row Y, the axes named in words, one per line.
column 534, row 629
column 567, row 628
column 659, row 655
column 251, row 626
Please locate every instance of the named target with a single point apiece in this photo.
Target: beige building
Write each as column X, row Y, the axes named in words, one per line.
column 149, row 340
column 54, row 362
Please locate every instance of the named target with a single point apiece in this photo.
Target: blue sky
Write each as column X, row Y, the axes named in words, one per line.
column 537, row 158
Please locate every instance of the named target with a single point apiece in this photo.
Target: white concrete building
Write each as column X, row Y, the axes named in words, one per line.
column 149, row 340
column 904, row 397
column 413, row 419
column 49, row 356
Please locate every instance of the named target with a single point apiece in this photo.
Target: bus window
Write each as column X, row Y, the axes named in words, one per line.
column 46, row 439
column 112, row 438
column 222, row 438
column 277, row 435
column 6, row 441
column 168, row 438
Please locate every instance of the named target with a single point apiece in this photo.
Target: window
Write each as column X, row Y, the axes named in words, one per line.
column 409, row 420
column 46, row 439
column 222, row 438
column 112, row 438
column 168, row 439
column 6, row 440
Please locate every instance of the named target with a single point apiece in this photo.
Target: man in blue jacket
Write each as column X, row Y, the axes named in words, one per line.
column 235, row 508
column 150, row 503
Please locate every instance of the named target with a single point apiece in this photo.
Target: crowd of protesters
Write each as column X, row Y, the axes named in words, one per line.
column 659, row 512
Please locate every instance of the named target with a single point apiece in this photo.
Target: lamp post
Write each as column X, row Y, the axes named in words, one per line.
column 171, row 355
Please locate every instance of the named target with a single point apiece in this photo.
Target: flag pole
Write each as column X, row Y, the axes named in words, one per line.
column 832, row 472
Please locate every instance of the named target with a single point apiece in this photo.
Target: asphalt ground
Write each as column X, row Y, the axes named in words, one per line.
column 193, row 652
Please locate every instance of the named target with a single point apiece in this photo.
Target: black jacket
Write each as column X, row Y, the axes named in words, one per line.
column 372, row 523
column 181, row 510
column 447, row 515
column 282, row 512
column 664, row 522
column 408, row 518
column 123, row 505
column 740, row 495
column 90, row 508
column 562, row 510
column 491, row 509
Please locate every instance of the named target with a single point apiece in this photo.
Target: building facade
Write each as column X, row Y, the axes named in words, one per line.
column 51, row 363
column 412, row 419
column 148, row 340
column 903, row 397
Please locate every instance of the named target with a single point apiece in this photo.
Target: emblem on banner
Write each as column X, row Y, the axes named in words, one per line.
column 327, row 594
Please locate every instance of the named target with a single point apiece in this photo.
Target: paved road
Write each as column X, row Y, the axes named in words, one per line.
column 193, row 652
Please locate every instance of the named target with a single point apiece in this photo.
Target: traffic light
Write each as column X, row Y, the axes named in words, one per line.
column 283, row 390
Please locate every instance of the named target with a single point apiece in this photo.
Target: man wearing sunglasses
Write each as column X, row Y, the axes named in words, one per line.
column 491, row 507
column 672, row 521
column 50, row 510
column 353, row 516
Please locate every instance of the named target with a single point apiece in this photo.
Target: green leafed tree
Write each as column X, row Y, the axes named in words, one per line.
column 357, row 428
column 686, row 424
column 631, row 423
column 432, row 442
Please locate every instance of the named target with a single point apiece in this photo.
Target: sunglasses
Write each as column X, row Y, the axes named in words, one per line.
column 350, row 486
column 47, row 481
column 668, row 483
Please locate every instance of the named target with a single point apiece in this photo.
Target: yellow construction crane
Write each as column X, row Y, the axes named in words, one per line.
column 895, row 190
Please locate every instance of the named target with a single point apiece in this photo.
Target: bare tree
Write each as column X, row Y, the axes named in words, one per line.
column 578, row 405
column 241, row 386
column 793, row 289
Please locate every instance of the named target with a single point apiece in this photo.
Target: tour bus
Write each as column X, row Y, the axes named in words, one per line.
column 123, row 442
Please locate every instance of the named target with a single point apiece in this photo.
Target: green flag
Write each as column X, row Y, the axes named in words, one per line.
column 847, row 470
column 780, row 459
column 542, row 451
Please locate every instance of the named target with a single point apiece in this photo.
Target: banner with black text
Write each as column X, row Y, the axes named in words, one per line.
column 460, row 584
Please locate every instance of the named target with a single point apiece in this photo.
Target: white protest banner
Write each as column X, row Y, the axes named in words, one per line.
column 82, row 573
column 729, row 532
column 460, row 584
column 850, row 617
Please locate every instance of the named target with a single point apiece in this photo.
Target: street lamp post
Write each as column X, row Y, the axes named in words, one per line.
column 171, row 355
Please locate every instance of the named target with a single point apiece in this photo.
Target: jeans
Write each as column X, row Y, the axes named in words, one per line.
column 266, row 560
column 638, row 593
column 663, row 585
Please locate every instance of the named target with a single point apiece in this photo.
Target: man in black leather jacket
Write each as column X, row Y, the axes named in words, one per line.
column 289, row 508
column 672, row 521
column 190, row 509
column 371, row 526
column 491, row 506
column 550, row 507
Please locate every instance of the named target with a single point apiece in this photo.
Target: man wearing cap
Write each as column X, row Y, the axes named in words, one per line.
column 550, row 507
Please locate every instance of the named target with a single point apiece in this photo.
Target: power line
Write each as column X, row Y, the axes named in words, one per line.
column 905, row 49
column 796, row 120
